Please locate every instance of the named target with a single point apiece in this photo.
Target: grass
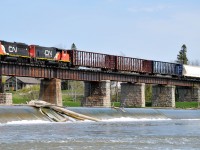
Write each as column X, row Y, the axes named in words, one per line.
column 185, row 105
column 19, row 99
column 70, row 101
column 116, row 104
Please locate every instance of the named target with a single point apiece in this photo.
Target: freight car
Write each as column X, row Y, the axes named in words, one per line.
column 191, row 71
column 133, row 65
column 91, row 60
column 167, row 68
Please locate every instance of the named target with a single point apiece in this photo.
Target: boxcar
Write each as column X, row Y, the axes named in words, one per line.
column 91, row 60
column 133, row 64
column 166, row 68
column 14, row 49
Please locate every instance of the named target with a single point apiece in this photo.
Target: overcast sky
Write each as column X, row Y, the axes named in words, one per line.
column 149, row 29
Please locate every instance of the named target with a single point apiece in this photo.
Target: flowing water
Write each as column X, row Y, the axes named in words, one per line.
column 119, row 129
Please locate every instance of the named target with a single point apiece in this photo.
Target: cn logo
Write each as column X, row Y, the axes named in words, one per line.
column 48, row 53
column 12, row 49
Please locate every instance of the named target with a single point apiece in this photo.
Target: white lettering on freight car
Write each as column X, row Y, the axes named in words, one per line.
column 12, row 49
column 48, row 53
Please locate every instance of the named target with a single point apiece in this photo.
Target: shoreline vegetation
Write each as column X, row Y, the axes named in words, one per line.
column 25, row 95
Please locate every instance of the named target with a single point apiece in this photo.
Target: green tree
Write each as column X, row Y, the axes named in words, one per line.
column 73, row 47
column 182, row 56
column 148, row 92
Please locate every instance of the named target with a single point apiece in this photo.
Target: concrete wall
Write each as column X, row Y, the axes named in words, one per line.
column 6, row 98
column 163, row 96
column 132, row 95
column 188, row 94
column 50, row 91
column 97, row 94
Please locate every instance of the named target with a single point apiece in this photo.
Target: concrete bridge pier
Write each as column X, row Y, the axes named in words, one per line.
column 132, row 95
column 50, row 91
column 188, row 94
column 163, row 96
column 97, row 94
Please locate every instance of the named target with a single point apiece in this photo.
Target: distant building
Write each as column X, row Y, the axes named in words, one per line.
column 22, row 82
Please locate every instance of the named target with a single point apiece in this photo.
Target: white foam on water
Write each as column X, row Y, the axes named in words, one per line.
column 125, row 119
column 27, row 122
column 191, row 119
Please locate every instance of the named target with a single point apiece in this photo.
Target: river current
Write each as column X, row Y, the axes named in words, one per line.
column 113, row 134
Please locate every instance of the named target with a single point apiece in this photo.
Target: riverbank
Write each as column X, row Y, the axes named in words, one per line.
column 68, row 101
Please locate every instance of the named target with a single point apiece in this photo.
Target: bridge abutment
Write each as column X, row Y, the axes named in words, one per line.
column 97, row 94
column 6, row 98
column 188, row 94
column 132, row 95
column 50, row 91
column 163, row 96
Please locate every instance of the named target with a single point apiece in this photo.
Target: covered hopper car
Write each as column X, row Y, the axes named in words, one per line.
column 191, row 71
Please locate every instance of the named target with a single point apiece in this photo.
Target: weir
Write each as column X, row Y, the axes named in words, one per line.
column 18, row 113
column 22, row 112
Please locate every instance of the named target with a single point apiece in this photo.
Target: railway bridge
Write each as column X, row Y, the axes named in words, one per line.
column 97, row 85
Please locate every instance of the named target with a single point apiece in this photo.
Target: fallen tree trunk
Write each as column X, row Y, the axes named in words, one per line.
column 43, row 104
column 72, row 114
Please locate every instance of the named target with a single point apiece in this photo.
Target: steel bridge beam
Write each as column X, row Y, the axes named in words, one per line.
column 24, row 70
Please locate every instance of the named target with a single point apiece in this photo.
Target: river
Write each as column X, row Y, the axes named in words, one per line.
column 111, row 133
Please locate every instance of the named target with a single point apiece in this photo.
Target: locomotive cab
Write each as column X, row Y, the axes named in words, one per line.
column 62, row 55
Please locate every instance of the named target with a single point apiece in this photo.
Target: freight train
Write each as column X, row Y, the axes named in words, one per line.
column 51, row 56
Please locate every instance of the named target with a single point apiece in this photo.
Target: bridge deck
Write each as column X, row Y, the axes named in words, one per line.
column 13, row 69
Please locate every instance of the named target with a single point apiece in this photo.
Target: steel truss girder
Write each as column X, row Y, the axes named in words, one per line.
column 12, row 69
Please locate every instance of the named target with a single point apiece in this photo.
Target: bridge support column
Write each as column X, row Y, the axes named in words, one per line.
column 97, row 94
column 188, row 94
column 132, row 95
column 50, row 91
column 163, row 96
column 6, row 98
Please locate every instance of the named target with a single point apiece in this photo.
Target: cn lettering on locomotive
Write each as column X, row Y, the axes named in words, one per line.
column 48, row 53
column 12, row 49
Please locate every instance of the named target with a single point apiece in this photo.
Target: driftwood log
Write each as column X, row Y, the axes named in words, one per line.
column 42, row 104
